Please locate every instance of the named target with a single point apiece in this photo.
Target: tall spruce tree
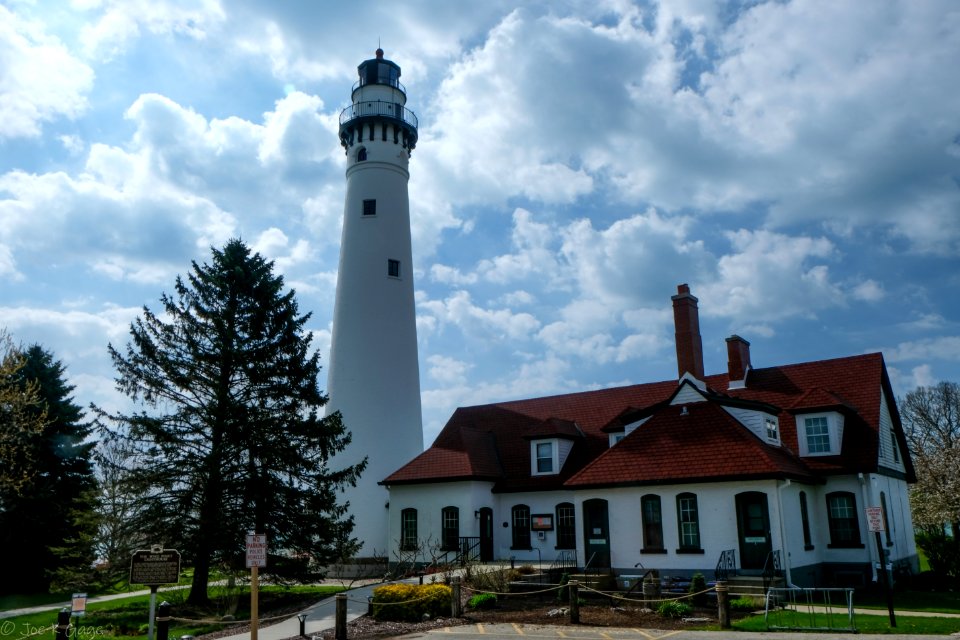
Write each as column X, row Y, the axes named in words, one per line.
column 230, row 438
column 50, row 522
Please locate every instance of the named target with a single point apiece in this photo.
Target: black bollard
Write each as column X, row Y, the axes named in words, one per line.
column 63, row 624
column 163, row 620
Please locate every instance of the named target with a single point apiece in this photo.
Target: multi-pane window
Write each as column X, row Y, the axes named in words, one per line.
column 842, row 515
column 805, row 521
column 652, row 518
column 818, row 434
column 773, row 433
column 544, row 457
column 408, row 529
column 450, row 528
column 369, row 207
column 521, row 526
column 688, row 521
column 566, row 526
column 893, row 447
column 393, row 268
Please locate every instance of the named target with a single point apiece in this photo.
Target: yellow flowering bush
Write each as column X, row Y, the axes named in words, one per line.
column 409, row 602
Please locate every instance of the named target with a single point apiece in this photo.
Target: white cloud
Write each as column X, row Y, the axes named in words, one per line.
column 869, row 291
column 120, row 22
column 939, row 348
column 498, row 324
column 40, row 82
column 771, row 276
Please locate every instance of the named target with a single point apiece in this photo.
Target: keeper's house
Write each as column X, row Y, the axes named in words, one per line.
column 749, row 468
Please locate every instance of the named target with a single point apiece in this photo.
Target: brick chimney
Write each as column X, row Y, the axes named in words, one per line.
column 738, row 360
column 686, row 320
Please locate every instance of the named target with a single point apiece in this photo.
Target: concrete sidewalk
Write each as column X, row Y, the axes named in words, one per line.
column 320, row 616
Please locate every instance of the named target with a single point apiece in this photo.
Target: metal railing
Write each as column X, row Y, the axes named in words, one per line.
column 800, row 609
column 378, row 108
column 726, row 565
column 771, row 569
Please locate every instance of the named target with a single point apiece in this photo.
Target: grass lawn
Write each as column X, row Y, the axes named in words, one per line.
column 936, row 601
column 864, row 624
column 127, row 618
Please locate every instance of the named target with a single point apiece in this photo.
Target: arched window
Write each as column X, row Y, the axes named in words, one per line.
column 805, row 521
column 450, row 528
column 688, row 521
column 362, row 154
column 566, row 526
column 652, row 518
column 408, row 530
column 521, row 527
column 842, row 516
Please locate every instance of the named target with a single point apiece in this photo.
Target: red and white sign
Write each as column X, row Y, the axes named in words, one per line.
column 875, row 518
column 256, row 550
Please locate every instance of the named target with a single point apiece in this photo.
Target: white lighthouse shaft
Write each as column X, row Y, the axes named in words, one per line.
column 373, row 377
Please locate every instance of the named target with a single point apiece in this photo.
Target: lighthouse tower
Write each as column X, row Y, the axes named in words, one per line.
column 373, row 376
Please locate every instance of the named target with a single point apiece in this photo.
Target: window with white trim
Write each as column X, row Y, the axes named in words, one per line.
column 817, row 432
column 408, row 529
column 772, row 429
column 544, row 457
column 842, row 518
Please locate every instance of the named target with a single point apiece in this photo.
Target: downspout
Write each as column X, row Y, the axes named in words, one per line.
column 783, row 533
column 866, row 503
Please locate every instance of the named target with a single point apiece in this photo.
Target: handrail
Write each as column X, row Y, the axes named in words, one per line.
column 378, row 108
column 771, row 569
column 726, row 565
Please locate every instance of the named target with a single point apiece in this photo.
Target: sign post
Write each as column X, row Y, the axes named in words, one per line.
column 876, row 525
column 154, row 567
column 256, row 558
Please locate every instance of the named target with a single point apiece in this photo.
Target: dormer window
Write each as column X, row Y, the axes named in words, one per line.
column 544, row 457
column 617, row 437
column 772, row 429
column 820, row 434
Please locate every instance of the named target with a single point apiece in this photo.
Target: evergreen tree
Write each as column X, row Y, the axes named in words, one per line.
column 50, row 521
column 229, row 438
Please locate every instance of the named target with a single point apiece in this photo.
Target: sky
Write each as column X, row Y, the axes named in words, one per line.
column 797, row 163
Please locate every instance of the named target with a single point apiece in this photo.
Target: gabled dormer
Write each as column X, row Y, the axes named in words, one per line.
column 820, row 418
column 550, row 443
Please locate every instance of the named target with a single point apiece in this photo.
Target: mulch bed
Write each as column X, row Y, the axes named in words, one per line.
column 525, row 611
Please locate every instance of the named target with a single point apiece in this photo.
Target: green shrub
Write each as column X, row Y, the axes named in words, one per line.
column 482, row 601
column 674, row 609
column 743, row 604
column 698, row 584
column 409, row 602
column 942, row 551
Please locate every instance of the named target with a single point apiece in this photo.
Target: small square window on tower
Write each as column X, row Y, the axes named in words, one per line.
column 369, row 207
column 393, row 268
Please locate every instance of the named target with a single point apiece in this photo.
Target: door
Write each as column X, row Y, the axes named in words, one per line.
column 486, row 534
column 596, row 534
column 753, row 526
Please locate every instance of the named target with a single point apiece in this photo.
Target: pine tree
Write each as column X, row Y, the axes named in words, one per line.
column 49, row 520
column 230, row 438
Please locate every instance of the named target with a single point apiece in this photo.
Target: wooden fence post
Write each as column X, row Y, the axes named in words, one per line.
column 340, row 616
column 455, row 609
column 723, row 604
column 574, row 601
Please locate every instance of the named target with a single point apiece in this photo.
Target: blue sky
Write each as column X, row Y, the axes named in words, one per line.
column 797, row 163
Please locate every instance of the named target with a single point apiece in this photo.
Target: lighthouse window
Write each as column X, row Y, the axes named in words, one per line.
column 369, row 207
column 393, row 268
column 361, row 154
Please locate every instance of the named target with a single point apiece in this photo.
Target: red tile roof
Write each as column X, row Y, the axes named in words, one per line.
column 491, row 442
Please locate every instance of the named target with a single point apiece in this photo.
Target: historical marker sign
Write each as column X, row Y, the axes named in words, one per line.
column 155, row 566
